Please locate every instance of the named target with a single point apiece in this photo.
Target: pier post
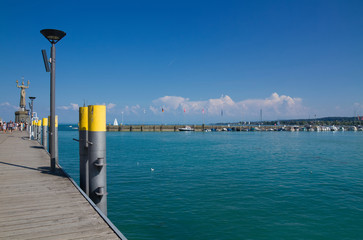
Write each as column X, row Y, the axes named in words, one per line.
column 49, row 136
column 45, row 132
column 83, row 149
column 39, row 131
column 97, row 155
column 35, row 131
column 56, row 139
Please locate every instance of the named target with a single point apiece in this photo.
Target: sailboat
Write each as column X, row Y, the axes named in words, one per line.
column 115, row 123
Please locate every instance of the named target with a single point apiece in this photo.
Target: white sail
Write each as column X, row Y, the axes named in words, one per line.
column 115, row 123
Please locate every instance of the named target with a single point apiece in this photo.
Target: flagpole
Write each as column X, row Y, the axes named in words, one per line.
column 203, row 115
column 162, row 116
column 184, row 117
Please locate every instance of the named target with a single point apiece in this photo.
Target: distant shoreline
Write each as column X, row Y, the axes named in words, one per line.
column 235, row 128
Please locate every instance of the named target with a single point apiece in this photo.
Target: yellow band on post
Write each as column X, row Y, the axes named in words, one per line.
column 39, row 123
column 83, row 118
column 45, row 122
column 56, row 121
column 97, row 118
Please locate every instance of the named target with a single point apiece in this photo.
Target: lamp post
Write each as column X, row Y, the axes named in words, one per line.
column 53, row 37
column 31, row 117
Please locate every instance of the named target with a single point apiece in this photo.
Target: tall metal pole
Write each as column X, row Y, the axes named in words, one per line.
column 53, row 36
column 53, row 157
column 31, row 120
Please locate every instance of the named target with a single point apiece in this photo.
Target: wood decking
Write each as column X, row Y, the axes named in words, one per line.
column 38, row 204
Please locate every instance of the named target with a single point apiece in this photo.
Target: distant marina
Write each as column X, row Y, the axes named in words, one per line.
column 230, row 128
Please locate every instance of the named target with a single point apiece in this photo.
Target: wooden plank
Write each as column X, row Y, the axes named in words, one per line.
column 36, row 204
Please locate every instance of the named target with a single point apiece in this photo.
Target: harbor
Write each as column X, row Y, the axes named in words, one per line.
column 164, row 120
column 218, row 128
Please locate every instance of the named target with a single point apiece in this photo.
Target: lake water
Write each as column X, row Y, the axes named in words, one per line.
column 231, row 185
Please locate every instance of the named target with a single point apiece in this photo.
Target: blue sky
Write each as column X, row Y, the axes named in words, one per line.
column 292, row 59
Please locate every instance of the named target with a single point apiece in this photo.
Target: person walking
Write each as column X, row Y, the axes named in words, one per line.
column 4, row 127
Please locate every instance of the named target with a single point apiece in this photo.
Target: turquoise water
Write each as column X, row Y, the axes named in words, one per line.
column 231, row 185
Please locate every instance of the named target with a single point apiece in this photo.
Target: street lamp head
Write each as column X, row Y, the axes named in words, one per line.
column 53, row 35
column 32, row 98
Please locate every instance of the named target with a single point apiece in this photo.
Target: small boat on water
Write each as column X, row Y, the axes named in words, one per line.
column 333, row 128
column 186, row 128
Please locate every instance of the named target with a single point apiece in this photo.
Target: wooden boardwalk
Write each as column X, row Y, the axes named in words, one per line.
column 37, row 204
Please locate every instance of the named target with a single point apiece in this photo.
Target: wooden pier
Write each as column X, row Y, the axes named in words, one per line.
column 38, row 204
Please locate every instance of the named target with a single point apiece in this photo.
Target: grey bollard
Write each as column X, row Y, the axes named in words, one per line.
column 56, row 140
column 45, row 133
column 35, row 130
column 83, row 149
column 39, row 131
column 97, row 156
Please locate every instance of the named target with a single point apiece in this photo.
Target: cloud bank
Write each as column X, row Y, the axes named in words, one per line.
column 275, row 106
column 178, row 109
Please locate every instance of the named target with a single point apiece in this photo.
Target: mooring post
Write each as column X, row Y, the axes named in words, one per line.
column 56, row 140
column 97, row 156
column 83, row 149
column 45, row 132
column 39, row 131
column 35, row 131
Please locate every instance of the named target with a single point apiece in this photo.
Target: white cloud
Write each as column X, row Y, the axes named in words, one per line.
column 176, row 104
column 71, row 106
column 135, row 109
column 284, row 106
column 8, row 105
column 110, row 106
column 154, row 109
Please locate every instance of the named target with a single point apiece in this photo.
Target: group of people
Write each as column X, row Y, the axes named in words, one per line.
column 12, row 126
